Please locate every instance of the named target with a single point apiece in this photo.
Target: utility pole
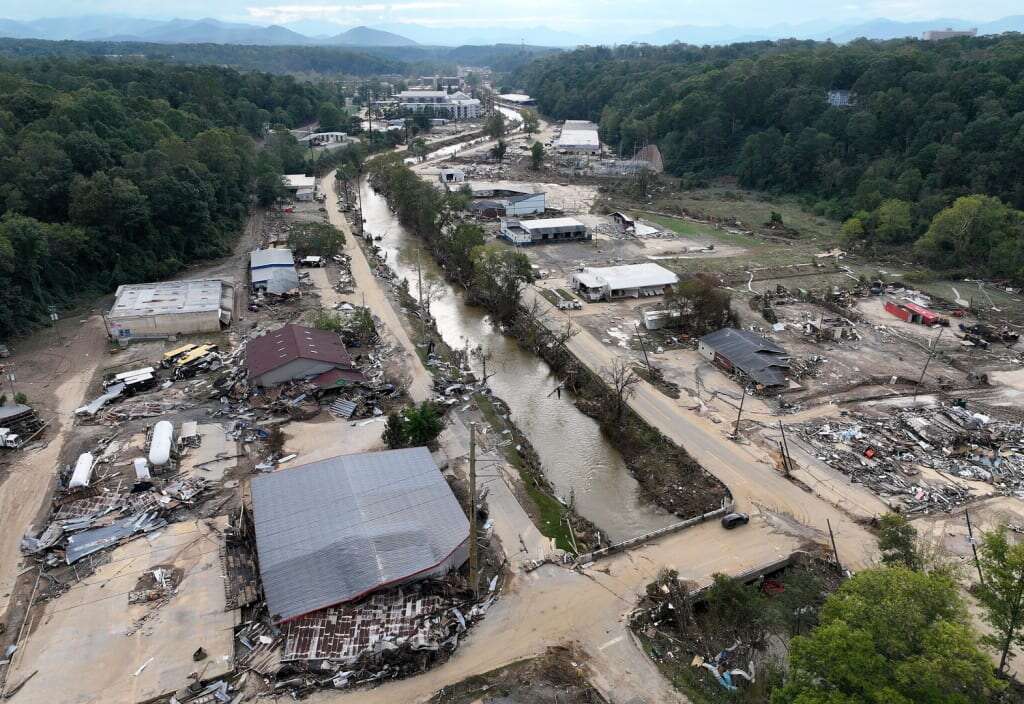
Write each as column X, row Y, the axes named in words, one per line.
column 834, row 550
column 970, row 535
column 1013, row 621
column 931, row 353
column 643, row 347
column 473, row 559
column 786, row 456
column 736, row 430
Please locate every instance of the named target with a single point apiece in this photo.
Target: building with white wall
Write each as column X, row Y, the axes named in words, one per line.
column 156, row 310
column 543, row 230
column 455, row 106
column 628, row 281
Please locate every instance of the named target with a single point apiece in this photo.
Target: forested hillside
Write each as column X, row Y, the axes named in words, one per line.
column 273, row 59
column 116, row 172
column 931, row 122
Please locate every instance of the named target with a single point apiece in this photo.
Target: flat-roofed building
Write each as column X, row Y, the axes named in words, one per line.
column 627, row 281
column 170, row 308
column 298, row 182
column 455, row 106
column 934, row 35
column 543, row 230
column 579, row 137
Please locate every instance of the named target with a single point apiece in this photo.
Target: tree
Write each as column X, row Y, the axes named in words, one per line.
column 702, row 306
column 967, row 235
column 531, row 123
column 415, row 426
column 892, row 221
column 897, row 540
column 331, row 118
column 1000, row 595
column 494, row 126
column 499, row 150
column 622, row 381
column 499, row 275
column 536, row 156
column 890, row 635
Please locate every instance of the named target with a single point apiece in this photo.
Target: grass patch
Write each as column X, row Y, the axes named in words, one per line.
column 549, row 295
column 547, row 513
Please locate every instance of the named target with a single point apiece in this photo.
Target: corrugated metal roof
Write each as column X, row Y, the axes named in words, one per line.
column 760, row 359
column 332, row 531
column 270, row 258
column 291, row 342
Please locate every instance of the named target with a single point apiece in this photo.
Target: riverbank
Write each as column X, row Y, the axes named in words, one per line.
column 554, row 517
column 666, row 473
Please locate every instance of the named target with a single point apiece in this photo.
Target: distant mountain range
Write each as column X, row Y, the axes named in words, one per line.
column 204, row 31
column 310, row 33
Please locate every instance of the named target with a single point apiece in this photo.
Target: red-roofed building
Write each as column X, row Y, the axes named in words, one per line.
column 298, row 352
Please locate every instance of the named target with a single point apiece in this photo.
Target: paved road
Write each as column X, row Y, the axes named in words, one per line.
column 369, row 288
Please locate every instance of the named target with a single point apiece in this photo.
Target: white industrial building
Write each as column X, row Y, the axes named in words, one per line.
column 455, row 106
column 168, row 308
column 298, row 182
column 451, row 176
column 579, row 137
column 627, row 281
column 543, row 230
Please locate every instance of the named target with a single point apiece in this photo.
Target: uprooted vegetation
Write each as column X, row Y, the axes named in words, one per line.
column 557, row 676
column 726, row 642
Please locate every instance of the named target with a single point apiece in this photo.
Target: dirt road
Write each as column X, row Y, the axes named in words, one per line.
column 55, row 393
column 553, row 605
column 369, row 289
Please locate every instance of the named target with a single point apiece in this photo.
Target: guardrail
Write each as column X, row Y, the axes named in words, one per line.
column 675, row 527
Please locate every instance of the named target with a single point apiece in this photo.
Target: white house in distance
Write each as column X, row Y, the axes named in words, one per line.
column 627, row 281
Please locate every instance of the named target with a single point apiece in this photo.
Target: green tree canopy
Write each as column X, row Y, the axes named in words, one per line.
column 890, row 636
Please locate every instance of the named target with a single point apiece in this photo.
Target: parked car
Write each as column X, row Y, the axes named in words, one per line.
column 731, row 520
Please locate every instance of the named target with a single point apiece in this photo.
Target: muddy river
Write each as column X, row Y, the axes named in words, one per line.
column 575, row 455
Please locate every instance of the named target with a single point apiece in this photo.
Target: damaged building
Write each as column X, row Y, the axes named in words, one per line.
column 334, row 531
column 273, row 271
column 298, row 352
column 748, row 355
column 152, row 311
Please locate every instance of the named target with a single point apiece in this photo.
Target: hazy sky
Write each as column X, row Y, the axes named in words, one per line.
column 568, row 15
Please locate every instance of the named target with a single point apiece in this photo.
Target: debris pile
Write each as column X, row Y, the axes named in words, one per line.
column 922, row 459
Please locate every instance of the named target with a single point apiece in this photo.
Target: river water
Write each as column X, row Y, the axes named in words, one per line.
column 575, row 455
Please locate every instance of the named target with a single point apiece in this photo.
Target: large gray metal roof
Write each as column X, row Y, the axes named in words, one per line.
column 193, row 296
column 335, row 530
column 760, row 359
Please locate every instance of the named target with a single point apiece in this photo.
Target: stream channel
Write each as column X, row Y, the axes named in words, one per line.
column 574, row 454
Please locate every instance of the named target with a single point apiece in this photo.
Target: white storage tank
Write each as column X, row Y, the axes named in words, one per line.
column 160, row 446
column 82, row 475
column 141, row 469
